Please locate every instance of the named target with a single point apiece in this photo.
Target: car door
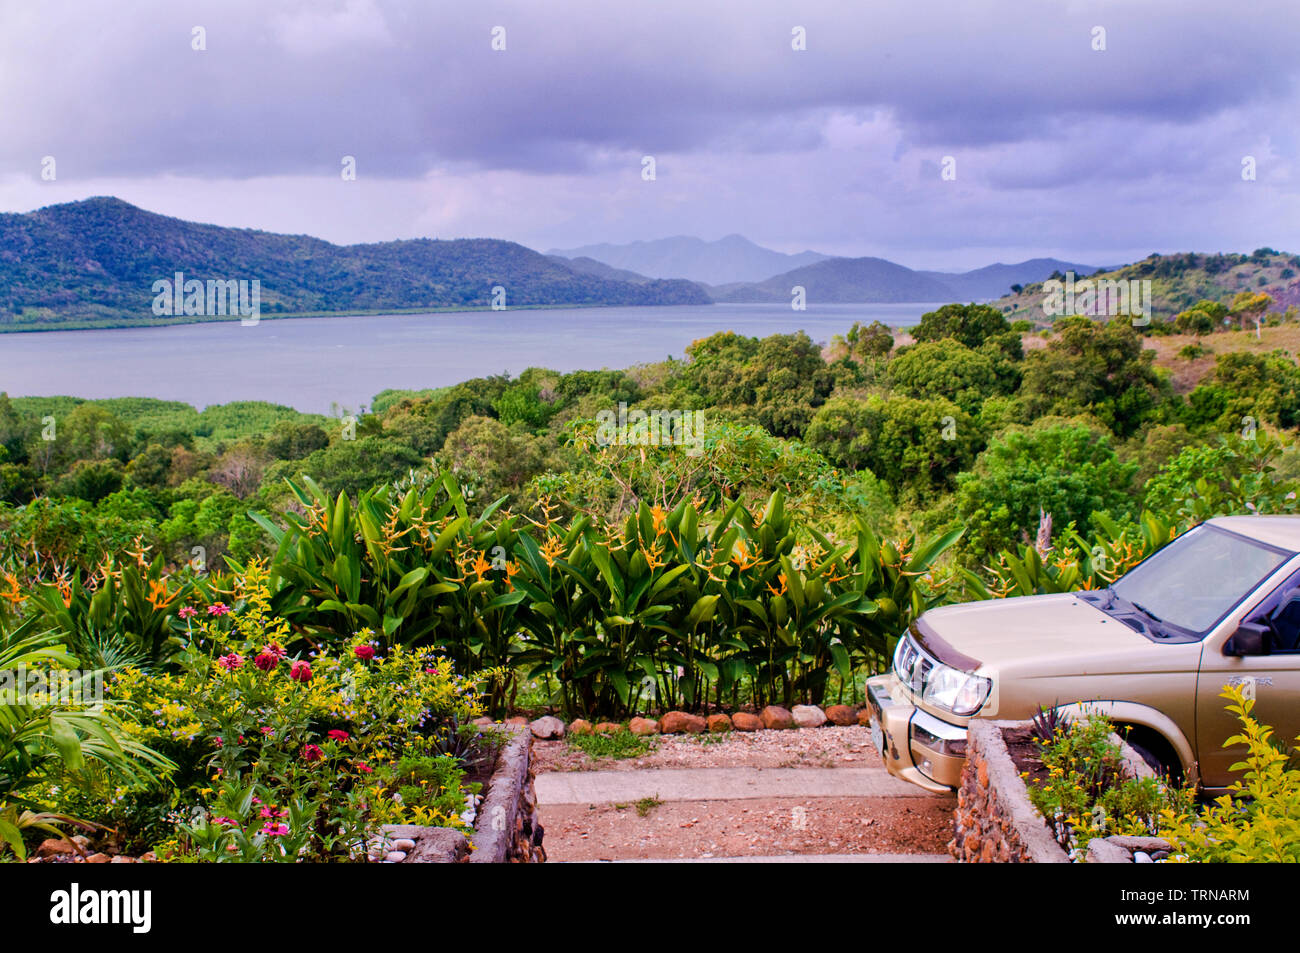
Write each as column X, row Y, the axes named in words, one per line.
column 1273, row 680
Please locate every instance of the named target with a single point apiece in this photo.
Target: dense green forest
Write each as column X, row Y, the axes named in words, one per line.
column 974, row 424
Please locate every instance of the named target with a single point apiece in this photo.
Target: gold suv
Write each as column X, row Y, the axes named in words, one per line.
column 1219, row 605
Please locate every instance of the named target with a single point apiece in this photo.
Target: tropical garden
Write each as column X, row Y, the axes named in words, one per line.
column 295, row 619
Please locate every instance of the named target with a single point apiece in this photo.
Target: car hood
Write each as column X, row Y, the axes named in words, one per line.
column 1030, row 631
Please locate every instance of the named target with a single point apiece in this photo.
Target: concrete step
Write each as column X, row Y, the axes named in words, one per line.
column 718, row 784
column 790, row 859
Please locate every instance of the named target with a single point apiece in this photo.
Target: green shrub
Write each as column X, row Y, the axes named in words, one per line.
column 1259, row 822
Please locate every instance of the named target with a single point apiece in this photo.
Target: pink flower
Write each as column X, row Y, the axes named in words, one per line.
column 272, row 812
column 218, row 608
column 187, row 612
column 268, row 730
column 364, row 652
column 300, row 671
column 274, row 649
column 231, row 662
column 339, row 735
column 275, row 830
column 223, row 820
column 313, row 753
column 266, row 661
column 430, row 671
column 219, row 742
column 364, row 768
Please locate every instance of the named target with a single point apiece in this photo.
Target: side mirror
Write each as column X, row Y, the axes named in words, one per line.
column 1251, row 638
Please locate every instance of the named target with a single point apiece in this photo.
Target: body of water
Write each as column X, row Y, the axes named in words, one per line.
column 312, row 363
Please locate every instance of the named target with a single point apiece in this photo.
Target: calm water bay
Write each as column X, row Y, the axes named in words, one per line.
column 312, row 363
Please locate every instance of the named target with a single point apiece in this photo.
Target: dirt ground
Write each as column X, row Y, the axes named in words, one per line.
column 752, row 827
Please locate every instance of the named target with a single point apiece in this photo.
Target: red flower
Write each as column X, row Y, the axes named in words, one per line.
column 266, row 661
column 300, row 671
column 364, row 652
column 364, row 768
column 339, row 735
column 274, row 649
column 313, row 753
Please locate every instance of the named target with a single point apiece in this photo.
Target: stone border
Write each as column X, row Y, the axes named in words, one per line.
column 505, row 826
column 773, row 717
column 994, row 821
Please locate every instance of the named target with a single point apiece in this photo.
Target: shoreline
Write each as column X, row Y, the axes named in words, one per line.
column 112, row 324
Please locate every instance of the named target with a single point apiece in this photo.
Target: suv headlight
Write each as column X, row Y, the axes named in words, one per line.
column 937, row 684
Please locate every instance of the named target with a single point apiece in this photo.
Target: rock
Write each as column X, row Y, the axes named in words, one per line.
column 864, row 717
column 483, row 722
column 54, row 845
column 517, row 720
column 1102, row 851
column 643, row 726
column 608, row 727
column 719, row 723
column 99, row 859
column 774, row 716
column 808, row 716
column 81, row 840
column 395, row 856
column 580, row 726
column 405, row 844
column 149, row 858
column 679, row 722
column 122, row 859
column 841, row 715
column 1142, row 857
column 745, row 721
column 548, row 726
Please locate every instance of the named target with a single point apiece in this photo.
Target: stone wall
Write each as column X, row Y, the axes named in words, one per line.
column 505, row 828
column 994, row 821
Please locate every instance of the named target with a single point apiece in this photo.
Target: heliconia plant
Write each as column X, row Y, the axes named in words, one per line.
column 665, row 609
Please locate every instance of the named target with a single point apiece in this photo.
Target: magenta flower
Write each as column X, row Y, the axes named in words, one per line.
column 364, row 652
column 272, row 812
column 231, row 662
column 224, row 820
column 218, row 608
column 268, row 730
column 187, row 612
column 339, row 735
column 312, row 753
column 275, row 830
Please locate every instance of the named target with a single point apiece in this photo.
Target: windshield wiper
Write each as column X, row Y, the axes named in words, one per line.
column 1147, row 612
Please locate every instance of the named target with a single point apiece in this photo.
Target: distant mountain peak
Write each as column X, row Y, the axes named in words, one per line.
column 730, row 259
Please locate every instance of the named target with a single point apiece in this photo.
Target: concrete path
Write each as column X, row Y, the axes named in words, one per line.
column 719, row 784
column 792, row 859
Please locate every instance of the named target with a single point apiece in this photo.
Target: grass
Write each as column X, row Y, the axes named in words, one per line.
column 646, row 805
column 619, row 745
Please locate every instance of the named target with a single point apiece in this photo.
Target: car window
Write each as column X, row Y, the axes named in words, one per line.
column 1199, row 577
column 1281, row 612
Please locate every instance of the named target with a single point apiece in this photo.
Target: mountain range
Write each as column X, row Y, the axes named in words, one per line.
column 735, row 269
column 94, row 262
column 726, row 261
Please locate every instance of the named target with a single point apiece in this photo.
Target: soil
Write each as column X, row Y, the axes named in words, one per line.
column 753, row 827
column 1023, row 748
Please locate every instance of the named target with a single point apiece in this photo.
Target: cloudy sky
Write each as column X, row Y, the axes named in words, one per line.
column 1059, row 148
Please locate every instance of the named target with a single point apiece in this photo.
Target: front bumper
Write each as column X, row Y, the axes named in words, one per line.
column 915, row 745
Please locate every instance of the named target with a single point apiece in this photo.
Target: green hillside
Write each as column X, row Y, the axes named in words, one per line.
column 93, row 263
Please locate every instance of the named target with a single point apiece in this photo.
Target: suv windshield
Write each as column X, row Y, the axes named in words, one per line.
column 1197, row 579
